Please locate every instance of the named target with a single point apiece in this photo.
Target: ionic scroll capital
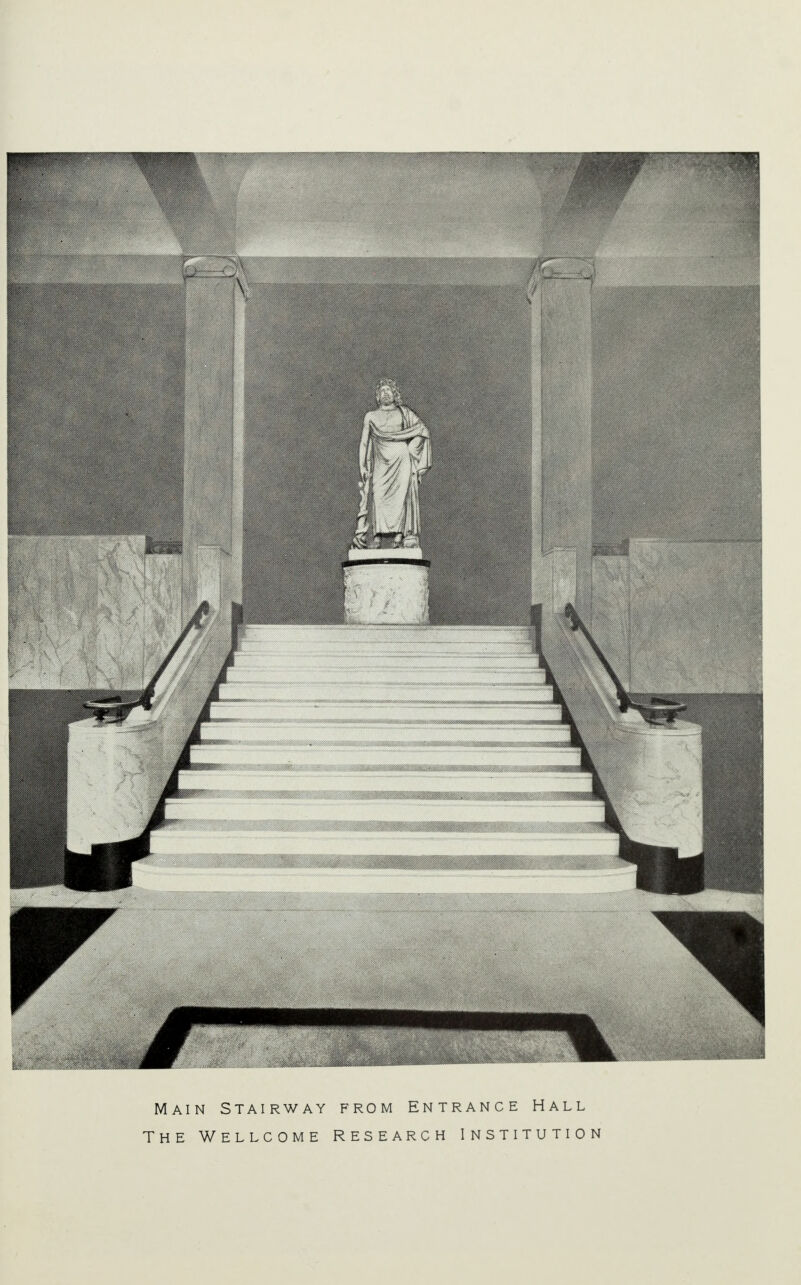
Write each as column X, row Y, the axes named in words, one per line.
column 217, row 265
column 559, row 270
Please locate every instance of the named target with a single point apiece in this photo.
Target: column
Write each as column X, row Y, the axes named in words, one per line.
column 559, row 291
column 216, row 290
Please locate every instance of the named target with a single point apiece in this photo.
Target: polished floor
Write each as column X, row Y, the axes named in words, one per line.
column 626, row 961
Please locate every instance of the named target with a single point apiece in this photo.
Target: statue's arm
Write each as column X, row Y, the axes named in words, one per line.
column 364, row 448
column 420, row 446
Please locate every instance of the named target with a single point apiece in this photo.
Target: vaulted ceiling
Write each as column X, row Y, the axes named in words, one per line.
column 646, row 218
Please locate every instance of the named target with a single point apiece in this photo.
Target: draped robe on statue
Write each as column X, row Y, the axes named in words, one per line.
column 392, row 459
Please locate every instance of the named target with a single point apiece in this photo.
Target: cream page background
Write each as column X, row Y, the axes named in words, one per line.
column 697, row 1177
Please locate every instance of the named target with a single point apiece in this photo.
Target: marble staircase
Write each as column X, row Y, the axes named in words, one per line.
column 390, row 758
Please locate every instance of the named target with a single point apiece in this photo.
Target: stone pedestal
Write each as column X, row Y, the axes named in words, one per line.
column 386, row 587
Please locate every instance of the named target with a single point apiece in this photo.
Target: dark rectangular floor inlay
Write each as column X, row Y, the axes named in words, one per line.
column 376, row 1035
column 42, row 939
column 730, row 945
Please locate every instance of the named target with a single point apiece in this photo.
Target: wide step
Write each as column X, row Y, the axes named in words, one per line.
column 366, row 690
column 372, row 756
column 423, row 732
column 382, row 845
column 427, row 635
column 371, row 779
column 388, row 808
column 535, row 876
column 423, row 667
column 538, row 705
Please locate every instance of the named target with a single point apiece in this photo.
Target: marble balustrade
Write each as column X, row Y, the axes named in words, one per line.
column 651, row 775
column 116, row 773
column 89, row 612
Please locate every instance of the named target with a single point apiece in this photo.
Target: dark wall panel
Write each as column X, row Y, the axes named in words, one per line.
column 461, row 356
column 96, row 398
column 676, row 413
column 38, row 723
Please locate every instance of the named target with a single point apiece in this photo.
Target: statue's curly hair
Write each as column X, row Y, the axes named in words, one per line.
column 388, row 383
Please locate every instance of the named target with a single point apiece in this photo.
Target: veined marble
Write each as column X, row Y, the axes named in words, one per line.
column 652, row 775
column 162, row 607
column 386, row 594
column 91, row 612
column 610, row 611
column 563, row 570
column 116, row 773
column 695, row 616
column 120, row 610
column 213, row 574
column 553, row 580
column 110, row 782
column 53, row 587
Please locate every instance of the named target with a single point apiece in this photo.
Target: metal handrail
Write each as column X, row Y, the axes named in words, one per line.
column 659, row 709
column 115, row 708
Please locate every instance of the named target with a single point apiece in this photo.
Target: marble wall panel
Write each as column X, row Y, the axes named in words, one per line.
column 52, row 611
column 84, row 614
column 695, row 613
column 209, row 564
column 162, row 614
column 120, row 610
column 564, row 579
column 610, row 611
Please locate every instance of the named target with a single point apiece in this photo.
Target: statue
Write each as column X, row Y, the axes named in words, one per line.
column 394, row 453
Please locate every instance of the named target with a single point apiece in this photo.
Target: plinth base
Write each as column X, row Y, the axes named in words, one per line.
column 387, row 591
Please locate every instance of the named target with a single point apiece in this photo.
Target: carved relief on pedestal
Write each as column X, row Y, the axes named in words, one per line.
column 381, row 594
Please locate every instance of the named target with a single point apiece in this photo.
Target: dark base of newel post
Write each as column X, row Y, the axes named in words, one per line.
column 106, row 868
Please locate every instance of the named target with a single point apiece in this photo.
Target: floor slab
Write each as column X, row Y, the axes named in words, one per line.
column 620, row 902
column 650, row 998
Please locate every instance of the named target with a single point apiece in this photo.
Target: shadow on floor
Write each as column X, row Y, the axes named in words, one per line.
column 42, row 939
column 730, row 945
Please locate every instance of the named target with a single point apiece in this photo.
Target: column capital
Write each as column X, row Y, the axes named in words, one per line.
column 559, row 270
column 217, row 265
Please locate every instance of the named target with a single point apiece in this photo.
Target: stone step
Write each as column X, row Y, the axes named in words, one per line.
column 372, row 780
column 384, row 845
column 352, row 676
column 410, row 653
column 355, row 757
column 382, row 806
column 531, row 875
column 433, row 634
column 545, row 727
column 366, row 689
column 423, row 667
column 539, row 707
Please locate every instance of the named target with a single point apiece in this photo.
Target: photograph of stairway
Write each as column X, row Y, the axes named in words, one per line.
column 385, row 758
column 385, row 602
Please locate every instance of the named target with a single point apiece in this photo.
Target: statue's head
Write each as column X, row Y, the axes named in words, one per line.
column 387, row 393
